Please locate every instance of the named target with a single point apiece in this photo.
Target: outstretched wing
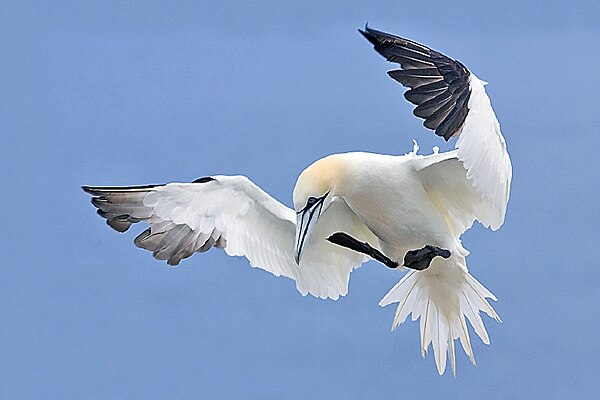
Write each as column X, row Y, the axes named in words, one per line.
column 453, row 102
column 232, row 213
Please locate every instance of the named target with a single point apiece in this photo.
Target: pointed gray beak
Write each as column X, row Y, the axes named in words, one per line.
column 305, row 224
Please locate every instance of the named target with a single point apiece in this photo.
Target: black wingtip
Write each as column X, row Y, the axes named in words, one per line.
column 368, row 34
column 97, row 189
column 204, row 179
column 366, row 29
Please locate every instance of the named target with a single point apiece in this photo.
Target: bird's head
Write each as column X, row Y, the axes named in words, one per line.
column 315, row 189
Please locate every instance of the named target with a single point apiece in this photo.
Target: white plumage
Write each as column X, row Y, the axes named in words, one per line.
column 391, row 206
column 482, row 149
column 232, row 213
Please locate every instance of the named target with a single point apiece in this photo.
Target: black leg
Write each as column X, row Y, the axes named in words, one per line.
column 414, row 259
column 345, row 240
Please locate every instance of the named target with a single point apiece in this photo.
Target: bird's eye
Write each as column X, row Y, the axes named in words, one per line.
column 311, row 201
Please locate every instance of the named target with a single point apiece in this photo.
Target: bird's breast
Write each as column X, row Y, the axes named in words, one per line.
column 397, row 209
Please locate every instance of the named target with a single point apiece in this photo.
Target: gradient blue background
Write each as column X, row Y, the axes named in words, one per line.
column 142, row 92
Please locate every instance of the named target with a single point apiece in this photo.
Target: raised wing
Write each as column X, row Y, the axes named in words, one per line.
column 439, row 86
column 453, row 102
column 232, row 213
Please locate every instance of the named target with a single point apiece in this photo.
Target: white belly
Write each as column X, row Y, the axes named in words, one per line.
column 397, row 209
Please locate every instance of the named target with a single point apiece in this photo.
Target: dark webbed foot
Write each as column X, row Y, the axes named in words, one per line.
column 415, row 259
column 345, row 240
column 421, row 259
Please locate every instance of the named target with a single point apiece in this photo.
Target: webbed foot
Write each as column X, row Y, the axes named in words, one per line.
column 421, row 259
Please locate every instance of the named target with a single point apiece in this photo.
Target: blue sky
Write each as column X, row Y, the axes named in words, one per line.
column 140, row 92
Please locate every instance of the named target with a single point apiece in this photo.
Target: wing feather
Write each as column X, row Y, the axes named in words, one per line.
column 453, row 103
column 233, row 213
column 444, row 178
column 445, row 74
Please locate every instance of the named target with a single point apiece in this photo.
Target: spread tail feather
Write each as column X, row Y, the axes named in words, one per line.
column 442, row 296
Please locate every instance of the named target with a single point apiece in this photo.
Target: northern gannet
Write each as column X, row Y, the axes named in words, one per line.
column 406, row 211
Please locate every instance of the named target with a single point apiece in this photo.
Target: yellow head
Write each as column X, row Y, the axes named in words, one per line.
column 315, row 189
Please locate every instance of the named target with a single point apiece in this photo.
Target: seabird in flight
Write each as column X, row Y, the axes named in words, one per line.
column 407, row 212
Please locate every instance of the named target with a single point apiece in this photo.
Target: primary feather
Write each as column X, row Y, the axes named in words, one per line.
column 232, row 213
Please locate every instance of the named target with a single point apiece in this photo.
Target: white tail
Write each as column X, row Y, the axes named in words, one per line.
column 442, row 296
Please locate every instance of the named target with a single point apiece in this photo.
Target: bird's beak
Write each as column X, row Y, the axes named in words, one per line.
column 305, row 224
